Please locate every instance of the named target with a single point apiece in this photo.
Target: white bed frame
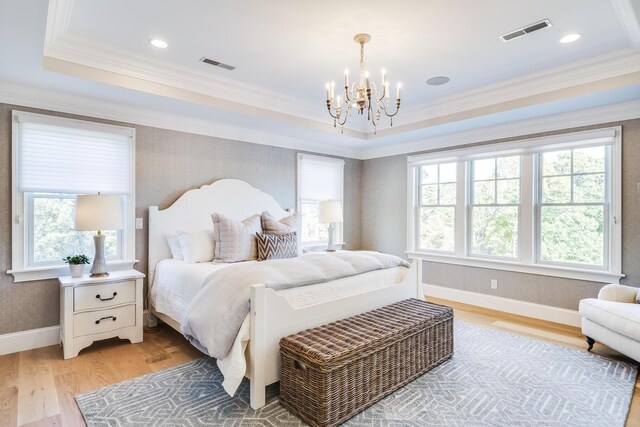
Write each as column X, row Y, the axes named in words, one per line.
column 271, row 316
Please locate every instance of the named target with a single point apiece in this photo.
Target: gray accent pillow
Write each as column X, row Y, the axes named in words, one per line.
column 235, row 241
column 272, row 246
column 286, row 225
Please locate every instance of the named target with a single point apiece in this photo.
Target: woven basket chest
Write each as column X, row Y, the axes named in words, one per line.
column 330, row 373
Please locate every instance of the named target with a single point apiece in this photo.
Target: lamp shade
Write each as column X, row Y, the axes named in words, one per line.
column 98, row 213
column 330, row 211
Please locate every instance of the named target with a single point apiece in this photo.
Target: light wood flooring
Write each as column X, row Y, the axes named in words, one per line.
column 37, row 387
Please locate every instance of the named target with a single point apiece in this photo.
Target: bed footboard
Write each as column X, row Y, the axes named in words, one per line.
column 273, row 318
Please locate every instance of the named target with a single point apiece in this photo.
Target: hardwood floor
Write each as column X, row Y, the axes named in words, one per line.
column 37, row 387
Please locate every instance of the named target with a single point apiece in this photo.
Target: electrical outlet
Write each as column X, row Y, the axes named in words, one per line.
column 139, row 224
column 494, row 284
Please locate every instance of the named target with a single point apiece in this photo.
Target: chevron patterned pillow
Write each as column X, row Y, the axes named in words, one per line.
column 271, row 246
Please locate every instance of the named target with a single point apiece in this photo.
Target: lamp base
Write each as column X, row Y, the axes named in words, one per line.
column 99, row 267
column 99, row 275
column 330, row 247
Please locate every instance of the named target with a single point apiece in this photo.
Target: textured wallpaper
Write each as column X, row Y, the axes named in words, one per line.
column 168, row 163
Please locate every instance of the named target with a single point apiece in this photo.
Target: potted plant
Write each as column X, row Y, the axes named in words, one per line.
column 76, row 264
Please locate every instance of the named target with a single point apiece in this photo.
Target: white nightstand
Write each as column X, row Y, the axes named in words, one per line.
column 93, row 309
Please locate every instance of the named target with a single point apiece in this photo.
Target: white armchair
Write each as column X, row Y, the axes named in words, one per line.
column 613, row 319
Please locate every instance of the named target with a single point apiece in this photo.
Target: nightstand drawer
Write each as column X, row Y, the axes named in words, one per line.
column 103, row 296
column 100, row 321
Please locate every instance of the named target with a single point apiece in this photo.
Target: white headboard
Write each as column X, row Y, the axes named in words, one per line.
column 192, row 211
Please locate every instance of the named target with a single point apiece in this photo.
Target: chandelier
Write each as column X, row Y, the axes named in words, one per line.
column 362, row 96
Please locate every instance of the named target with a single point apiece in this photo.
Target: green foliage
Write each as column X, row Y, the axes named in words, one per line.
column 437, row 228
column 76, row 260
column 495, row 231
column 53, row 233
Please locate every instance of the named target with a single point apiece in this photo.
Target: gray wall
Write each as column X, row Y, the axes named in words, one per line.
column 168, row 163
column 384, row 228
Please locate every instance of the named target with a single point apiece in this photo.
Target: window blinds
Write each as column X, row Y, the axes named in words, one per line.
column 74, row 157
column 321, row 178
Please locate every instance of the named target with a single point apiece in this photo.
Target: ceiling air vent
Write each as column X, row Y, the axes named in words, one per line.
column 525, row 30
column 217, row 63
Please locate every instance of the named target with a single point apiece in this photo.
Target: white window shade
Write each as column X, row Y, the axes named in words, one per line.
column 77, row 160
column 321, row 178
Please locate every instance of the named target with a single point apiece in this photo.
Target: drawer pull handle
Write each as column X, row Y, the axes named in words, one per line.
column 107, row 299
column 105, row 318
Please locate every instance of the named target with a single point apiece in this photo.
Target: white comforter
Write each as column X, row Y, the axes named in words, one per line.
column 176, row 284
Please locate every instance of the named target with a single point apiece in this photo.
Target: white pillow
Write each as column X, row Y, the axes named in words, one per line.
column 174, row 246
column 197, row 246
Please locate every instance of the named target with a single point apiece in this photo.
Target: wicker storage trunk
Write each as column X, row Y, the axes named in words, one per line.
column 330, row 373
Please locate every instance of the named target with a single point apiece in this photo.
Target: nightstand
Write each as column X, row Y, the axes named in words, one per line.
column 93, row 309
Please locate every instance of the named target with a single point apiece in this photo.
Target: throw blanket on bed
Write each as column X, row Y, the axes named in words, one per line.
column 214, row 316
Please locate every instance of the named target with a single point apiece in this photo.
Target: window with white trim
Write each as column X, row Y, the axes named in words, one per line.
column 549, row 205
column 319, row 179
column 495, row 207
column 54, row 160
column 573, row 207
column 437, row 207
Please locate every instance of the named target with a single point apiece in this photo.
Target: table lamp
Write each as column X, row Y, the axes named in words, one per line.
column 330, row 212
column 98, row 213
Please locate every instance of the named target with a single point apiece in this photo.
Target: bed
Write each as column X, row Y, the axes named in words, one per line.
column 273, row 314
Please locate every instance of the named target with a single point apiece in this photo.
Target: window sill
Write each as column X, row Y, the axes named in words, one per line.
column 53, row 272
column 541, row 270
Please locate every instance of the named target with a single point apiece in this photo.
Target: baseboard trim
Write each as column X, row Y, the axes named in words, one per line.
column 521, row 308
column 30, row 339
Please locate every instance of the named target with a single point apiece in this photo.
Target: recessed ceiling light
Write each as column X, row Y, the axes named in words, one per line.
column 570, row 38
column 437, row 81
column 158, row 43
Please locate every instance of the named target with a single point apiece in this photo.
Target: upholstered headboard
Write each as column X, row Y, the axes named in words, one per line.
column 192, row 211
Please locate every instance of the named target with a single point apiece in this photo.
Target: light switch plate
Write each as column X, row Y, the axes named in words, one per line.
column 494, row 284
column 139, row 224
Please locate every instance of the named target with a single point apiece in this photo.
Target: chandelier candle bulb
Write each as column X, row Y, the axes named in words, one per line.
column 328, row 92
column 398, row 91
column 333, row 85
column 346, row 78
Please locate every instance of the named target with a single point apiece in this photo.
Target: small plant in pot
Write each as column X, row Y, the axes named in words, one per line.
column 76, row 264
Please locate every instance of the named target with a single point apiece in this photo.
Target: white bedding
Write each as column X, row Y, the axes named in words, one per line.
column 176, row 283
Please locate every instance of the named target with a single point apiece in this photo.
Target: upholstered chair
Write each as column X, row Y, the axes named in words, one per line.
column 613, row 319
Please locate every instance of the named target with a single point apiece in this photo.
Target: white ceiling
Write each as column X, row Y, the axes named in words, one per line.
column 285, row 51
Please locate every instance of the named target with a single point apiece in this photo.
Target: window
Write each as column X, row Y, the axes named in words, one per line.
column 548, row 206
column 437, row 213
column 56, row 159
column 573, row 206
column 495, row 206
column 319, row 179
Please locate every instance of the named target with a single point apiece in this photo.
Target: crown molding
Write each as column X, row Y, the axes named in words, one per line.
column 578, row 78
column 517, row 129
column 629, row 16
column 71, row 54
column 26, row 96
column 14, row 94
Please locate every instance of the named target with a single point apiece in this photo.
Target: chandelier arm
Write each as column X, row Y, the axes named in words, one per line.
column 329, row 109
column 397, row 109
column 346, row 94
column 341, row 123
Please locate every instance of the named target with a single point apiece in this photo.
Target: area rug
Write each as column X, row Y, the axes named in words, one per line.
column 494, row 379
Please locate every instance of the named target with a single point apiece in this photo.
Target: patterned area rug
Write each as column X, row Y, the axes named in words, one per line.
column 494, row 379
